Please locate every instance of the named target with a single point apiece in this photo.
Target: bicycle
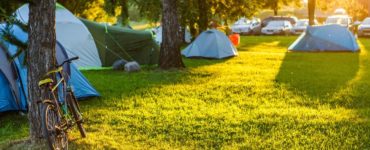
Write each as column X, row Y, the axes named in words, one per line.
column 60, row 111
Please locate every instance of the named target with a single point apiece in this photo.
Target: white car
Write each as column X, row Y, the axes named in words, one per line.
column 342, row 20
column 245, row 26
column 301, row 26
column 364, row 28
column 241, row 26
column 277, row 27
column 158, row 35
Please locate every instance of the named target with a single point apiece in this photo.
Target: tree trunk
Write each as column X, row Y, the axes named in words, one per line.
column 124, row 13
column 311, row 11
column 275, row 7
column 193, row 29
column 170, row 56
column 203, row 15
column 276, row 10
column 368, row 8
column 41, row 58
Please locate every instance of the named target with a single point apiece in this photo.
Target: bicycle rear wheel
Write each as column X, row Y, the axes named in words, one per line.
column 51, row 121
column 75, row 109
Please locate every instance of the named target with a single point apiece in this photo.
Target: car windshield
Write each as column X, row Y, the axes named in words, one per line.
column 275, row 23
column 337, row 20
column 366, row 21
column 302, row 23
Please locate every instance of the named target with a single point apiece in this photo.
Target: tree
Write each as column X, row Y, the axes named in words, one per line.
column 149, row 9
column 311, row 11
column 358, row 9
column 40, row 58
column 170, row 56
column 111, row 5
column 8, row 7
column 203, row 10
column 275, row 5
column 89, row 9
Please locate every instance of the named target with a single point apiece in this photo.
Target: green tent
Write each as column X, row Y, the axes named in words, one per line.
column 114, row 43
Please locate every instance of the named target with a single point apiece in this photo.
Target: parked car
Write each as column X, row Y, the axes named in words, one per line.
column 293, row 20
column 301, row 26
column 340, row 11
column 245, row 26
column 277, row 27
column 364, row 28
column 343, row 20
column 158, row 31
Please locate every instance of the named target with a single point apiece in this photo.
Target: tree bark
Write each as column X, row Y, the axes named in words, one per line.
column 275, row 7
column 170, row 56
column 311, row 11
column 276, row 10
column 124, row 13
column 193, row 29
column 203, row 15
column 368, row 8
column 40, row 57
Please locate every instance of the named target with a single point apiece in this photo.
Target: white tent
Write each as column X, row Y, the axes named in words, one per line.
column 211, row 44
column 72, row 34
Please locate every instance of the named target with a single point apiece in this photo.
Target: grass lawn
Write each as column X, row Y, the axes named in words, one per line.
column 264, row 98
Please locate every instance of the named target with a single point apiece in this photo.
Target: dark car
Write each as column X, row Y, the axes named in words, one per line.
column 292, row 20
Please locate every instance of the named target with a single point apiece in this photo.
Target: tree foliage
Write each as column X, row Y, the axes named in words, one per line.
column 196, row 14
column 359, row 9
column 89, row 9
column 8, row 7
column 110, row 6
column 275, row 5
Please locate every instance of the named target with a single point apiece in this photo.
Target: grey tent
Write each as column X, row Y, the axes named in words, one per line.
column 211, row 44
column 326, row 38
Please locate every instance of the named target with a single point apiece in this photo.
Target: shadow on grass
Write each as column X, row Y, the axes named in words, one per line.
column 318, row 76
column 133, row 84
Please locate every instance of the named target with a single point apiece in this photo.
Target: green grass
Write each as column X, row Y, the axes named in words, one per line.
column 264, row 98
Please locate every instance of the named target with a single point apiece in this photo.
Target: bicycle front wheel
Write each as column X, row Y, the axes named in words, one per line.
column 54, row 134
column 75, row 110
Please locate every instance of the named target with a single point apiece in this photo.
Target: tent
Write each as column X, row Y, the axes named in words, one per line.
column 13, row 76
column 158, row 35
column 11, row 94
column 326, row 38
column 115, row 43
column 72, row 34
column 211, row 44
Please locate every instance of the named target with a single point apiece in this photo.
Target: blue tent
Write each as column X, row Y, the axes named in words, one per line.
column 13, row 100
column 326, row 38
column 211, row 44
column 11, row 94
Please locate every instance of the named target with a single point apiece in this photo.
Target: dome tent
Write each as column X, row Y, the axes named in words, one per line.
column 325, row 38
column 116, row 43
column 11, row 94
column 211, row 44
column 14, row 97
column 72, row 34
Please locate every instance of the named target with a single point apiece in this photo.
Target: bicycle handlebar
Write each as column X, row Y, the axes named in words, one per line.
column 68, row 61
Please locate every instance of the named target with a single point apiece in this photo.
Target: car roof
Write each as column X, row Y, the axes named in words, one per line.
column 339, row 16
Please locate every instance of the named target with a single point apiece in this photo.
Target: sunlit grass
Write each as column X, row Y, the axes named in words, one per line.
column 264, row 98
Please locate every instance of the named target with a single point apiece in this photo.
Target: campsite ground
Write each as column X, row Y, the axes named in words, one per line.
column 263, row 98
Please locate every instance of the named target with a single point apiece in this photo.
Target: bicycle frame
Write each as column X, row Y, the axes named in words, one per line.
column 53, row 87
